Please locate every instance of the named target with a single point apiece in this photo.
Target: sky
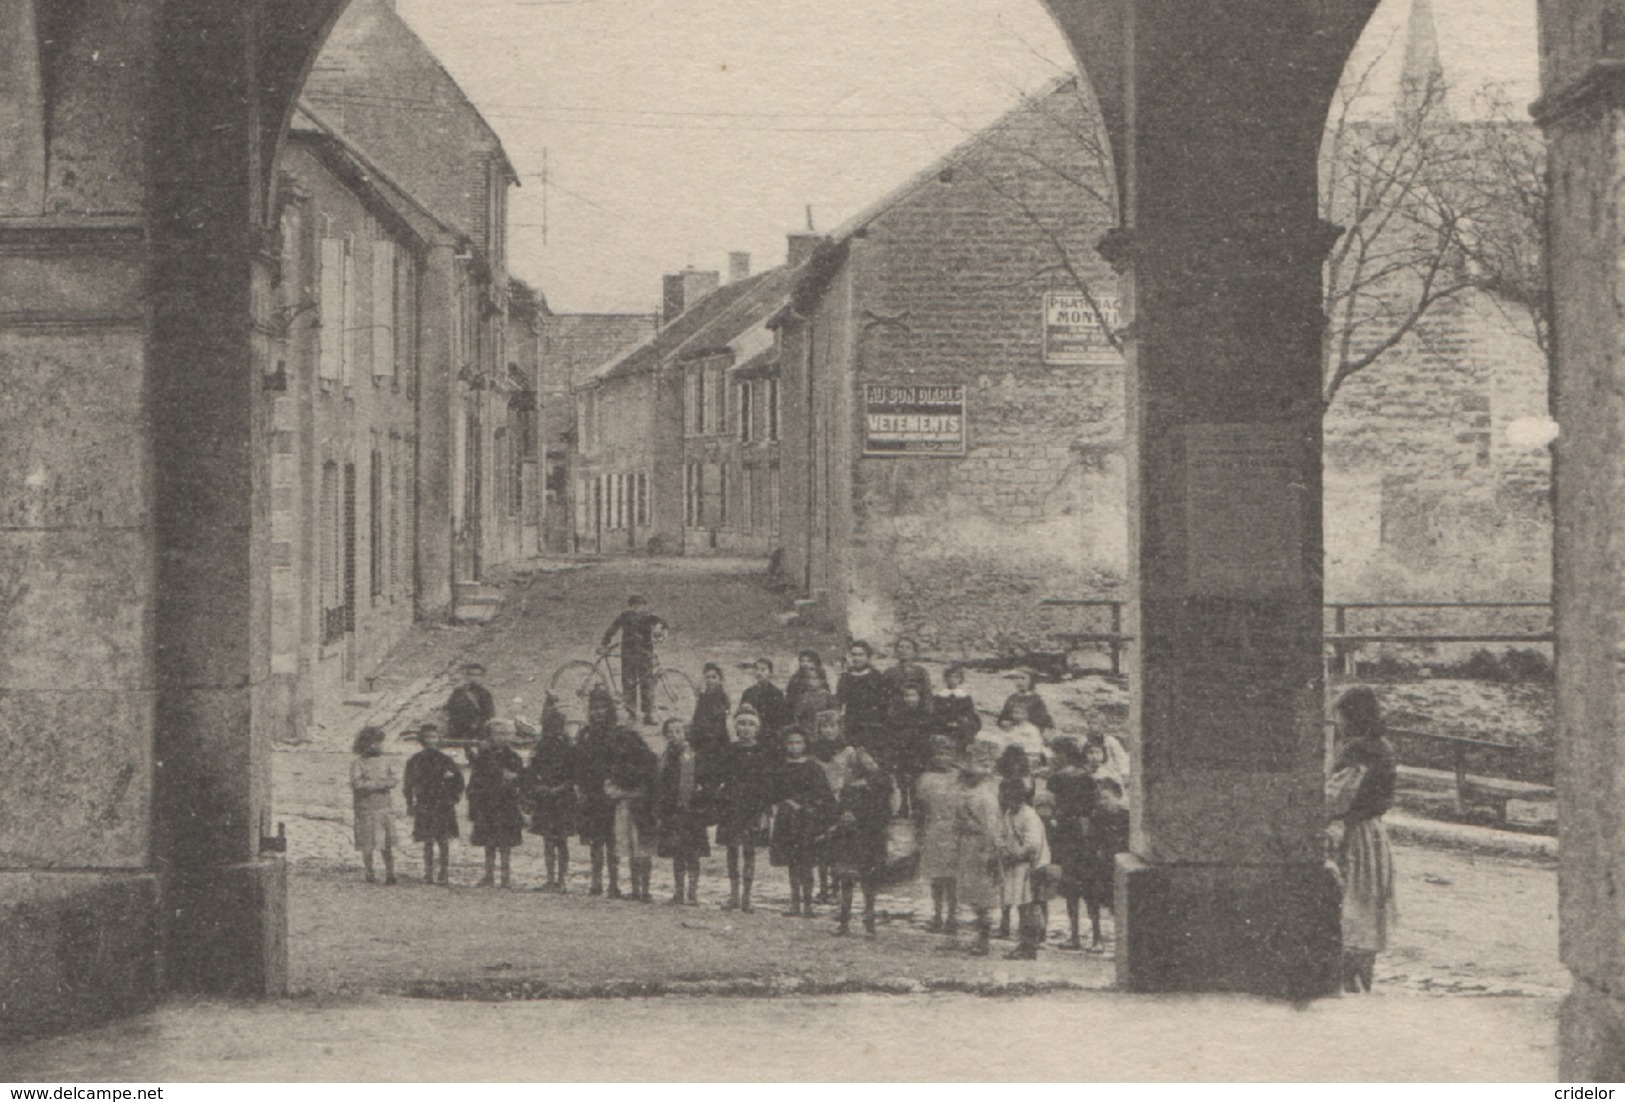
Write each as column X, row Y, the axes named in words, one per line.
column 673, row 132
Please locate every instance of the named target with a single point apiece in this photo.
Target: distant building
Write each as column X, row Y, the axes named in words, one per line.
column 658, row 463
column 952, row 415
column 572, row 346
column 403, row 456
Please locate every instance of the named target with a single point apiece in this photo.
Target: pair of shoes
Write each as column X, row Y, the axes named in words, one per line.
column 485, row 882
column 1095, row 949
column 613, row 893
column 746, row 908
column 841, row 930
column 793, row 912
column 934, row 926
column 675, row 901
column 1022, row 952
column 596, row 889
column 869, row 930
column 390, row 881
column 552, row 887
column 980, row 949
column 1071, row 946
column 807, row 912
column 371, row 879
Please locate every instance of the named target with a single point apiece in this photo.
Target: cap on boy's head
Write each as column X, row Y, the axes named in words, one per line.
column 473, row 667
column 747, row 710
column 367, row 738
column 428, row 729
column 637, row 600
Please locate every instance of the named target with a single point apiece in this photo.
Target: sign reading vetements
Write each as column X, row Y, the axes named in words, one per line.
column 916, row 419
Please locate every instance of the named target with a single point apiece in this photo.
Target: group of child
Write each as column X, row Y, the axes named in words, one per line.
column 848, row 789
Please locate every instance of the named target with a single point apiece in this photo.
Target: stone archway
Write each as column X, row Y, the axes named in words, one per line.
column 137, row 142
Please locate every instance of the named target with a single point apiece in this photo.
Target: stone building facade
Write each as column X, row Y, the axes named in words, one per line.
column 658, row 459
column 950, row 458
column 572, row 346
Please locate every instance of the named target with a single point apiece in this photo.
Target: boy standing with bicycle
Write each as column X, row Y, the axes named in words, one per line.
column 636, row 626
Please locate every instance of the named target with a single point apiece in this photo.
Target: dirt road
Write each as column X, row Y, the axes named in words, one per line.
column 1470, row 924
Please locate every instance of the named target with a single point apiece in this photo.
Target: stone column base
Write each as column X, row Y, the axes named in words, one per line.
column 228, row 929
column 76, row 947
column 1266, row 930
column 1591, row 1026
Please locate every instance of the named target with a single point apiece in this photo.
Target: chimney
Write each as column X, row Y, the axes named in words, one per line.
column 802, row 246
column 683, row 289
column 738, row 267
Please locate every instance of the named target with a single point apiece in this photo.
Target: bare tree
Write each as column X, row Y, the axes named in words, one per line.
column 1431, row 207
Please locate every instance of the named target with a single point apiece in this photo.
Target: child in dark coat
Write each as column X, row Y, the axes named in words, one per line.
column 856, row 845
column 801, row 805
column 550, row 783
column 1072, row 789
column 682, row 800
column 769, row 702
column 433, row 784
column 905, row 747
column 744, row 794
column 494, row 799
column 955, row 711
column 708, row 731
column 594, row 758
column 1108, row 836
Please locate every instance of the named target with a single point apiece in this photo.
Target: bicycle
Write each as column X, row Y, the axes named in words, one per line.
column 672, row 691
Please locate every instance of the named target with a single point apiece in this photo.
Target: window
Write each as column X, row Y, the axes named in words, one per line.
column 702, row 415
column 330, row 552
column 643, row 498
column 722, row 495
column 350, row 332
column 745, row 517
column 772, row 409
column 747, row 390
column 383, row 310
column 396, row 537
column 691, row 495
column 375, row 527
column 406, row 321
column 331, row 355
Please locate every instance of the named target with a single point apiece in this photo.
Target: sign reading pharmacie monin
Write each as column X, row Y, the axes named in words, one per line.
column 918, row 419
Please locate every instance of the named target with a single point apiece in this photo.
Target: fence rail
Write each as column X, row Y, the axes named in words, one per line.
column 1344, row 644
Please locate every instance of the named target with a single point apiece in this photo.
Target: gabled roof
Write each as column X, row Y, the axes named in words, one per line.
column 707, row 325
column 827, row 258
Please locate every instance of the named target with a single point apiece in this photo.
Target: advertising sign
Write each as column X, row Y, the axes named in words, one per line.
column 916, row 419
column 1072, row 330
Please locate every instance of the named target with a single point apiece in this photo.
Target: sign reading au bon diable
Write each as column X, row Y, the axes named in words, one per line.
column 914, row 419
column 1073, row 333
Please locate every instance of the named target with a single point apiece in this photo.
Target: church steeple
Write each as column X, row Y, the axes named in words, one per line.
column 1422, row 79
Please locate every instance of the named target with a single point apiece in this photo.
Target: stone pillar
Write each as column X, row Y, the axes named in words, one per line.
column 437, row 382
column 1583, row 114
column 1226, row 887
column 209, row 414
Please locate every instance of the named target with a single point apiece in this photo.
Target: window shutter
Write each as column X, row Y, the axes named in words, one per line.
column 348, row 334
column 331, row 354
column 383, row 309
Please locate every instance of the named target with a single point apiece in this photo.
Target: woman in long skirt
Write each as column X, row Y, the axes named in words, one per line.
column 1360, row 790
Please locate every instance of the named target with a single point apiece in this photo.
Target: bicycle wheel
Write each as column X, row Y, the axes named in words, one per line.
column 674, row 695
column 574, row 681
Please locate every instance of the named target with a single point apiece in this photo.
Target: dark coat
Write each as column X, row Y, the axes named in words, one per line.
column 593, row 759
column 956, row 717
column 634, row 768
column 865, row 699
column 1108, row 836
column 432, row 784
column 802, row 803
column 1073, row 790
column 636, row 628
column 550, row 786
column 708, row 732
column 682, row 826
column 772, row 705
column 903, row 745
column 467, row 710
column 913, row 674
column 494, row 798
column 801, row 683
column 856, row 844
column 744, row 794
column 1376, row 792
